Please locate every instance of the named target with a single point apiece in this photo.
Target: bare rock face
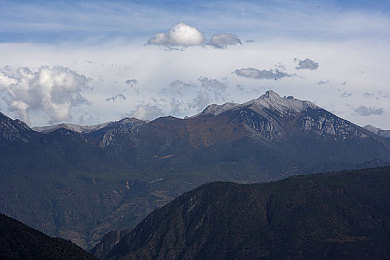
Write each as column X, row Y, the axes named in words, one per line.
column 330, row 125
column 14, row 130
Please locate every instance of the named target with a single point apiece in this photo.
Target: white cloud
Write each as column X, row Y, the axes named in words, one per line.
column 181, row 35
column 53, row 90
column 222, row 40
column 184, row 35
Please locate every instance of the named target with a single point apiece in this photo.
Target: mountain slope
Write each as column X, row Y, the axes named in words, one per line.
column 87, row 128
column 378, row 131
column 18, row 241
column 335, row 216
column 82, row 185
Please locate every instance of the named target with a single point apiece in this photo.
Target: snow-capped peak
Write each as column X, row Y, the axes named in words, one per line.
column 215, row 109
column 272, row 100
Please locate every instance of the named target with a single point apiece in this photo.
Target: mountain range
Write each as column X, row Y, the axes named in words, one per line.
column 80, row 183
column 343, row 215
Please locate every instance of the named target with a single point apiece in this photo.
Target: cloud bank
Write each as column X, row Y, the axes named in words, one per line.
column 53, row 90
column 306, row 64
column 368, row 111
column 177, row 87
column 261, row 74
column 222, row 40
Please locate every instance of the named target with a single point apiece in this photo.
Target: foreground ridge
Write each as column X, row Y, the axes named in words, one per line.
column 335, row 216
column 18, row 241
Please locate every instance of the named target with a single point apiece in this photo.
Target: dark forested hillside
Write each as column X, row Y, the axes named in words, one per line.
column 18, row 241
column 344, row 215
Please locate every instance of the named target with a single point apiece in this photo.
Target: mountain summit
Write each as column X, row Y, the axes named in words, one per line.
column 273, row 101
column 270, row 100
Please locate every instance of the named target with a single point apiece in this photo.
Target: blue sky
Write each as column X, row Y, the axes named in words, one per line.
column 58, row 21
column 93, row 61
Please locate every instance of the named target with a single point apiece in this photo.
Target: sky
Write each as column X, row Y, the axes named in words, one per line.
column 89, row 62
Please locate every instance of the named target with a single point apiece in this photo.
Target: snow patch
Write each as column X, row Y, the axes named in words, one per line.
column 269, row 100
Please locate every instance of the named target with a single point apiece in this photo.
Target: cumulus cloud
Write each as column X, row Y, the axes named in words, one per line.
column 184, row 35
column 222, row 40
column 368, row 111
column 181, row 35
column 119, row 97
column 306, row 64
column 261, row 74
column 146, row 112
column 53, row 90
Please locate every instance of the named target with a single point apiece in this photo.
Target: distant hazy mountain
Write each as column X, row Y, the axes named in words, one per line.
column 81, row 185
column 324, row 216
column 18, row 241
column 87, row 128
column 378, row 131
